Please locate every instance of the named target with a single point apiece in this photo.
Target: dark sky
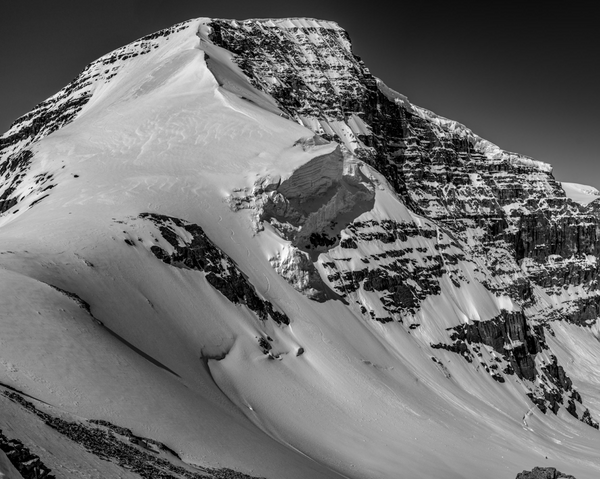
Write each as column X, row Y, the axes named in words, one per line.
column 526, row 79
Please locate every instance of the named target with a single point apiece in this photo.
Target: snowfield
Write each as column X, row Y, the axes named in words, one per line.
column 581, row 193
column 180, row 131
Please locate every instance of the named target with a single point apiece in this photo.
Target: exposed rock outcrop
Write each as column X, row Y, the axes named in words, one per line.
column 511, row 336
column 543, row 473
column 201, row 254
column 27, row 464
column 108, row 442
column 13, row 171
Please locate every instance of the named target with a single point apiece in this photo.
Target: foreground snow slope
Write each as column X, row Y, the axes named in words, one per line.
column 221, row 250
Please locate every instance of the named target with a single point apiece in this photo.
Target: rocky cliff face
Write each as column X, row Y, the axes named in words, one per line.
column 493, row 217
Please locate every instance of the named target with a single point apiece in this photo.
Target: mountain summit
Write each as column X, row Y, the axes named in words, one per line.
column 227, row 248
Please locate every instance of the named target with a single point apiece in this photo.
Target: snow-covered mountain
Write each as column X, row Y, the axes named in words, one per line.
column 232, row 248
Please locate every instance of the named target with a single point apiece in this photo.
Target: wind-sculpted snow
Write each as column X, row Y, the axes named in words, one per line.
column 63, row 107
column 58, row 111
column 582, row 194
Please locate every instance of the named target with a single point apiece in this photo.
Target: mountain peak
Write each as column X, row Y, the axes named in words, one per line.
column 231, row 232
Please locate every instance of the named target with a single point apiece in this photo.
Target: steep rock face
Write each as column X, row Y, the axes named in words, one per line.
column 503, row 212
column 403, row 270
column 509, row 334
column 309, row 68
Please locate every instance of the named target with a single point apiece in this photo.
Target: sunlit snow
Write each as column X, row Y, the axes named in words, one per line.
column 171, row 134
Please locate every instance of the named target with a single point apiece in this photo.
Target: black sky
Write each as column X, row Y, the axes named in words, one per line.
column 524, row 78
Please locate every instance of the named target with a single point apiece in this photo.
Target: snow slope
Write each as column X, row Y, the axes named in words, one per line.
column 580, row 193
column 169, row 349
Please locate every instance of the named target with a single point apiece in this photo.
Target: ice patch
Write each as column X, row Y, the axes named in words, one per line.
column 319, row 199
